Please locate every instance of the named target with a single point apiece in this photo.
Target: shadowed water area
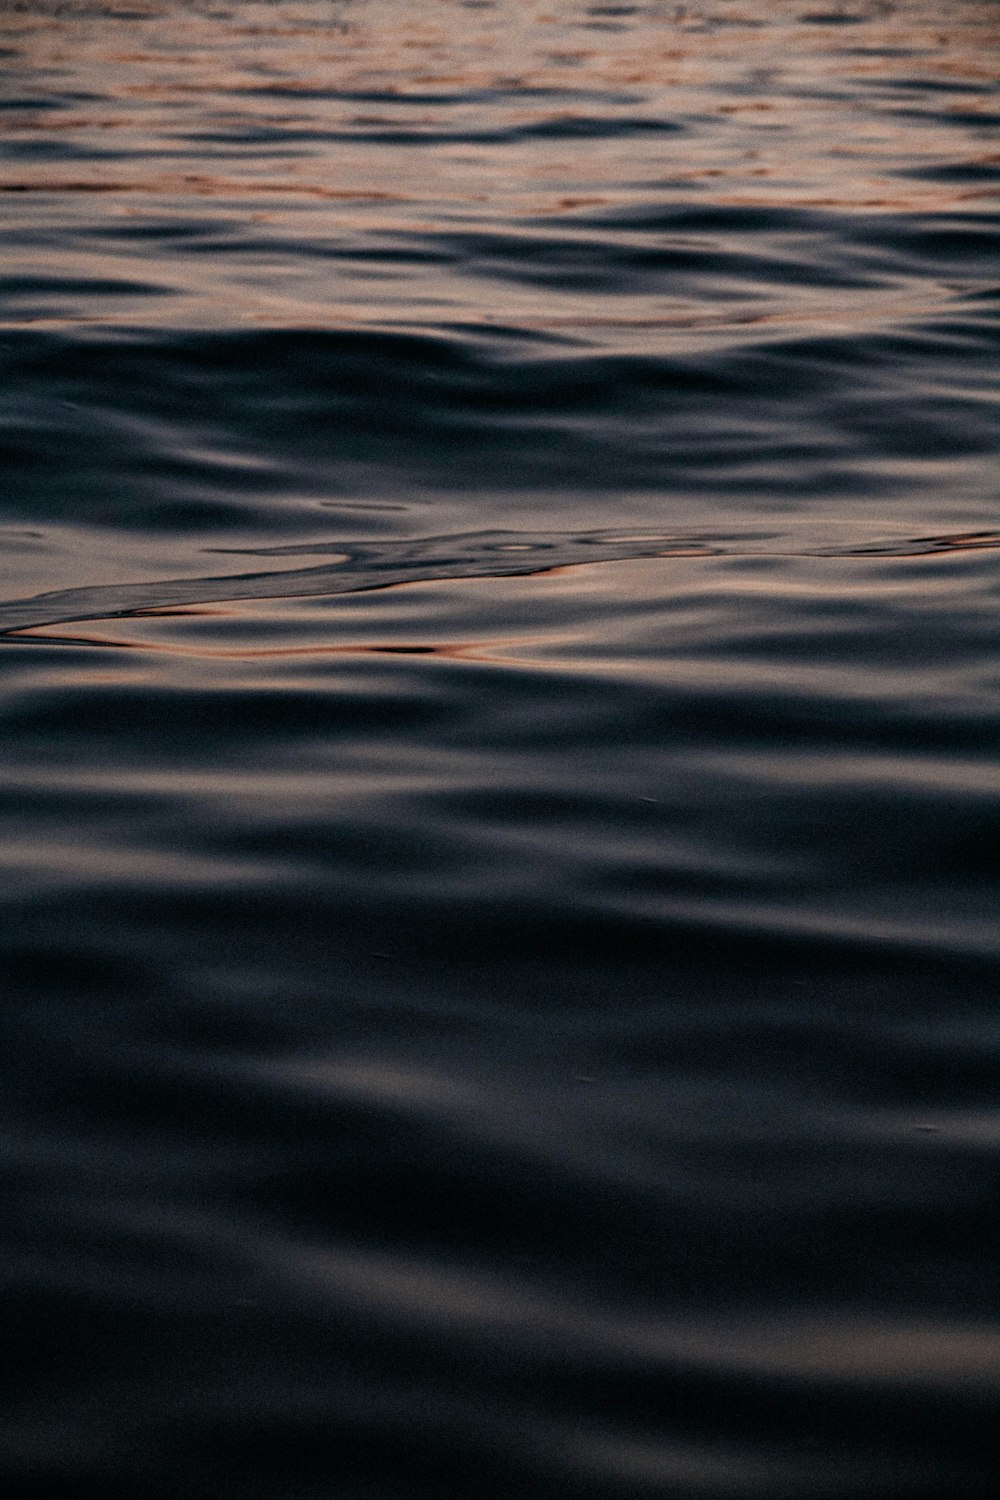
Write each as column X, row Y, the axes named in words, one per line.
column 499, row 673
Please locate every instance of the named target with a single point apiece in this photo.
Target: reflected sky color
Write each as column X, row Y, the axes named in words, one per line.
column 477, row 169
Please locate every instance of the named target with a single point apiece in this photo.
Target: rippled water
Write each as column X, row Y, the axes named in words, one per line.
column 498, row 666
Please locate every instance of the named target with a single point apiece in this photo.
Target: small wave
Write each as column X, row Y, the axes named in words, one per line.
column 362, row 566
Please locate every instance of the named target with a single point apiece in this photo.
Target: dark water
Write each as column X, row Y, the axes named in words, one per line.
column 499, row 672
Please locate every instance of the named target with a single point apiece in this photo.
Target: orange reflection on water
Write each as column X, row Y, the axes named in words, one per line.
column 302, row 127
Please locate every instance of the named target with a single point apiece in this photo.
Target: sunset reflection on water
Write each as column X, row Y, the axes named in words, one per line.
column 420, row 162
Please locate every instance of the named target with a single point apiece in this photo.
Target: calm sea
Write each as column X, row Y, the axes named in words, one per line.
column 499, row 667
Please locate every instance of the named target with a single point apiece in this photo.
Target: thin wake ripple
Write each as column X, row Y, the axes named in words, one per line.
column 362, row 566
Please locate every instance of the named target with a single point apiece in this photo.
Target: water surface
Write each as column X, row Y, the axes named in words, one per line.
column 498, row 669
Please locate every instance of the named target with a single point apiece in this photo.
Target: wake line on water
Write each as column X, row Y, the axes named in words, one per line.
column 360, row 567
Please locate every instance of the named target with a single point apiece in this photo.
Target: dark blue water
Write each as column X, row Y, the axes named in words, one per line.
column 499, row 675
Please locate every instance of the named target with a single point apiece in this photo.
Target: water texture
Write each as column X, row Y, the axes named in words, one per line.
column 499, row 672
